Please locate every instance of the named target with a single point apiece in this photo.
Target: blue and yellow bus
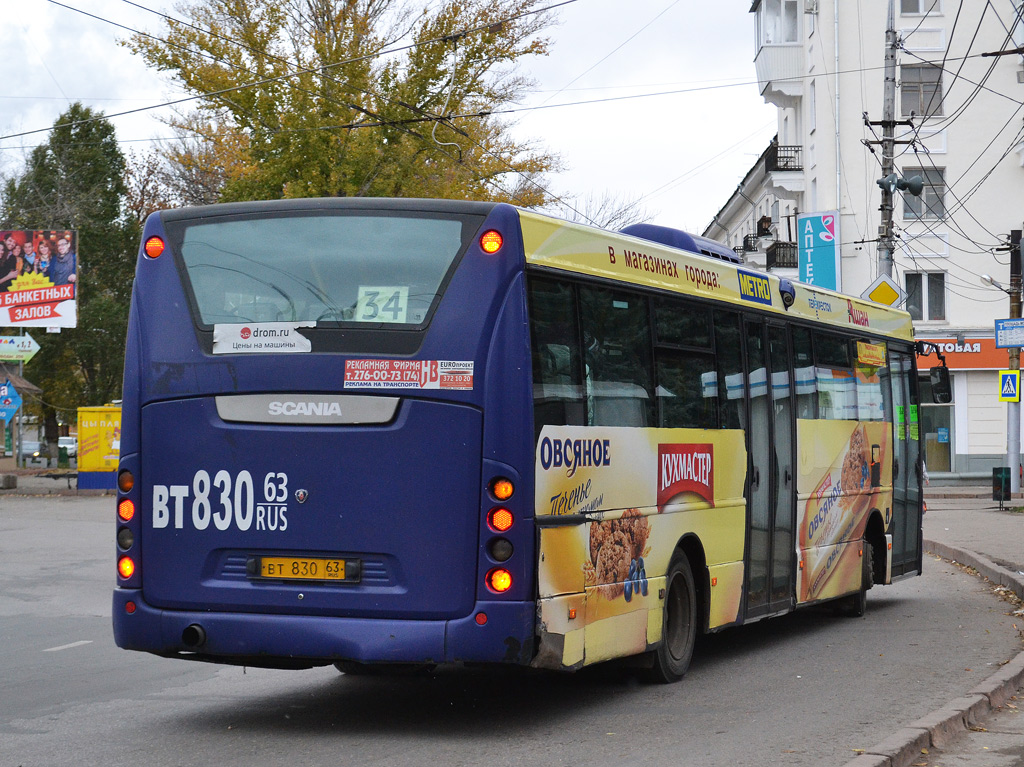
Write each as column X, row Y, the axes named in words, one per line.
column 398, row 433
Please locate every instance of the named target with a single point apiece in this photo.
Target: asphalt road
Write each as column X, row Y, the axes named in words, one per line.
column 805, row 689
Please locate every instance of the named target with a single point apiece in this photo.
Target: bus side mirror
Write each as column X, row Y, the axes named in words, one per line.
column 938, row 376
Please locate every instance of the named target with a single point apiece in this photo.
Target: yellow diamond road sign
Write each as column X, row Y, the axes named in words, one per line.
column 885, row 290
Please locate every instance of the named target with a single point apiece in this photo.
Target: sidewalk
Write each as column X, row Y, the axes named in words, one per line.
column 985, row 728
column 37, row 479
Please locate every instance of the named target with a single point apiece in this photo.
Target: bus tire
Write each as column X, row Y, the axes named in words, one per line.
column 671, row 659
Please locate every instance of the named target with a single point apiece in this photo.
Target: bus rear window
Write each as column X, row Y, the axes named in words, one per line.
column 361, row 269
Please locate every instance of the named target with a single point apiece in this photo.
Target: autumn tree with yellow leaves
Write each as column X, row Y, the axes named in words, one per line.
column 309, row 98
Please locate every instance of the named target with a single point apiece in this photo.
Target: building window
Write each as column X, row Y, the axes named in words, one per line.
column 932, row 202
column 926, row 295
column 920, row 7
column 779, row 22
column 921, row 90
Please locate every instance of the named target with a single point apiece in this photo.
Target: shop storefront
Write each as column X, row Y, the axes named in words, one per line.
column 967, row 437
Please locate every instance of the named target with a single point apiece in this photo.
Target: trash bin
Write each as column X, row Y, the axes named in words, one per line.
column 1001, row 483
column 62, row 460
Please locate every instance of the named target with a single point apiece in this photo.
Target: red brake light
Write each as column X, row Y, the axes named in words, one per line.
column 126, row 567
column 500, row 580
column 126, row 510
column 491, row 241
column 154, row 247
column 500, row 519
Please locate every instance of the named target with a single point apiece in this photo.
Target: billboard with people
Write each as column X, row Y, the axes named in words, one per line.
column 39, row 278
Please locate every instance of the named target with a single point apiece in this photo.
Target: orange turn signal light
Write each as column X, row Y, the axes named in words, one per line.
column 491, row 241
column 154, row 247
column 126, row 567
column 500, row 580
column 502, row 488
column 126, row 510
column 500, row 519
column 125, row 481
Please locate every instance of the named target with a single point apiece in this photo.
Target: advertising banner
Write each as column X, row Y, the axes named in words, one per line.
column 99, row 446
column 10, row 401
column 39, row 278
column 818, row 249
column 17, row 348
column 640, row 491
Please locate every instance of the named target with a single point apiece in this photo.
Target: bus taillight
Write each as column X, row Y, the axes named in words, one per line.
column 499, row 580
column 491, row 241
column 126, row 567
column 500, row 519
column 502, row 489
column 154, row 247
column 126, row 509
column 125, row 481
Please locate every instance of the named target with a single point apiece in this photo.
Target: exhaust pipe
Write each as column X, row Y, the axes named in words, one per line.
column 194, row 636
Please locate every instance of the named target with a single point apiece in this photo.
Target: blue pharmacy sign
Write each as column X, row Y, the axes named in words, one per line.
column 10, row 401
column 818, row 249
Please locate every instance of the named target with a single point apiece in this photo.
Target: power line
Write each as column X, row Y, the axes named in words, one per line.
column 279, row 78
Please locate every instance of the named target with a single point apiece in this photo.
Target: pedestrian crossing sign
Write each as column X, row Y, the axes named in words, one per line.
column 1009, row 386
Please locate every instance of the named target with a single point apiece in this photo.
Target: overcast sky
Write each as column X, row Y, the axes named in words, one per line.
column 683, row 152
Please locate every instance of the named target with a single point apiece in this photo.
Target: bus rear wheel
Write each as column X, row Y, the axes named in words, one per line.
column 679, row 623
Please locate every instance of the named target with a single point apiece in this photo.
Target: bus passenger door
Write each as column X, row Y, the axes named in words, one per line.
column 783, row 393
column 906, row 502
column 759, row 471
column 770, row 502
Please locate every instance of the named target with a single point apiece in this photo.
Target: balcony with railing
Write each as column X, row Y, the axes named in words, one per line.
column 782, row 255
column 784, row 168
column 784, row 158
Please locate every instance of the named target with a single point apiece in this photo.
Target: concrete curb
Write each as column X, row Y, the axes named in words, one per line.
column 948, row 723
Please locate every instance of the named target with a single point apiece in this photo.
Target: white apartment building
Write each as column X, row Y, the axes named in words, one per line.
column 821, row 62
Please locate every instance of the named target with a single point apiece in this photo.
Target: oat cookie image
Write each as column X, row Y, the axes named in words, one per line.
column 614, row 545
column 855, row 471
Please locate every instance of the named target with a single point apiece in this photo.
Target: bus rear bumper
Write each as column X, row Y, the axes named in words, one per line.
column 297, row 641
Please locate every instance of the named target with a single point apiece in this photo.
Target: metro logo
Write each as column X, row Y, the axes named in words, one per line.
column 686, row 469
column 754, row 287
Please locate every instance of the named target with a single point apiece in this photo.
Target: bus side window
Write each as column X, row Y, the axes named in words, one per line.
column 806, row 380
column 617, row 358
column 731, row 381
column 557, row 390
column 837, row 396
column 687, row 382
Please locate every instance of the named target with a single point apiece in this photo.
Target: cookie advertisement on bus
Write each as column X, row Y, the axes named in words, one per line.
column 39, row 278
column 641, row 491
column 841, row 494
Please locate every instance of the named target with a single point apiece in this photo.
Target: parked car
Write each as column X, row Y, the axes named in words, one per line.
column 70, row 444
column 32, row 450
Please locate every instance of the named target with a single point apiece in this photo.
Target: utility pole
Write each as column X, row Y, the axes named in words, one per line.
column 1013, row 408
column 886, row 244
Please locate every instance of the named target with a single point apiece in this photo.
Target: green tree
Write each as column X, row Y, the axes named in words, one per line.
column 330, row 117
column 76, row 181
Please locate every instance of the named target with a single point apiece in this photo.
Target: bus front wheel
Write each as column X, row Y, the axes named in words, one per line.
column 679, row 623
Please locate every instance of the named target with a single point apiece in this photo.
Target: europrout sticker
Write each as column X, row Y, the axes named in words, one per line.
column 408, row 374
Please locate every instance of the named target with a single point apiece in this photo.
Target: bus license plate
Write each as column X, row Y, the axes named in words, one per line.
column 302, row 568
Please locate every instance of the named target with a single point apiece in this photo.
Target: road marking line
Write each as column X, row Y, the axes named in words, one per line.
column 68, row 646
